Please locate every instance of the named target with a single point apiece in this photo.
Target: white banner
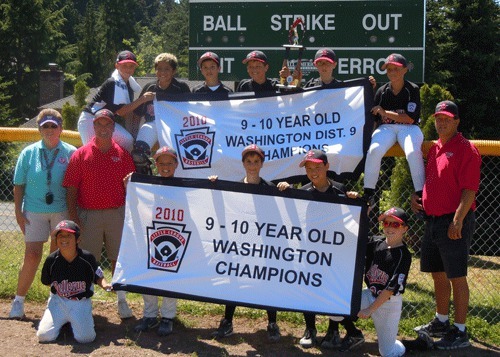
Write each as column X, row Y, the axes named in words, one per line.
column 210, row 134
column 245, row 244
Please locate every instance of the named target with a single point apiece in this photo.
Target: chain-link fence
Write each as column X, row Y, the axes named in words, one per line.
column 483, row 265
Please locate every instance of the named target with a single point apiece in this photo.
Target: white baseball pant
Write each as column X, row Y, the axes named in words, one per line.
column 410, row 138
column 148, row 133
column 168, row 307
column 60, row 311
column 386, row 321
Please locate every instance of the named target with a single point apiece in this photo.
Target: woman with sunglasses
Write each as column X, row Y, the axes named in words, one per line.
column 39, row 198
column 388, row 262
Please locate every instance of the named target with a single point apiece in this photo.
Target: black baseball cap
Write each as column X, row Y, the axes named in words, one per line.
column 397, row 213
column 448, row 108
column 104, row 113
column 395, row 59
column 126, row 57
column 316, row 156
column 325, row 54
column 67, row 226
column 256, row 56
column 252, row 148
column 165, row 150
column 209, row 56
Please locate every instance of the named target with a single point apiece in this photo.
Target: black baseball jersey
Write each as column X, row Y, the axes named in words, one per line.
column 106, row 94
column 262, row 182
column 406, row 101
column 71, row 280
column 335, row 188
column 203, row 88
column 316, row 82
column 249, row 85
column 147, row 109
column 386, row 268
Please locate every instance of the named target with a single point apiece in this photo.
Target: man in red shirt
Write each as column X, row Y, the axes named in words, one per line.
column 451, row 182
column 96, row 194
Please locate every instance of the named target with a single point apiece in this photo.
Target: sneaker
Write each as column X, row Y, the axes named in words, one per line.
column 123, row 310
column 17, row 310
column 435, row 328
column 351, row 341
column 166, row 326
column 273, row 332
column 147, row 323
column 422, row 343
column 225, row 329
column 331, row 340
column 309, row 338
column 453, row 339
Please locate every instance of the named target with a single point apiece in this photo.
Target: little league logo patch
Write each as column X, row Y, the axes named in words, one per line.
column 167, row 243
column 195, row 147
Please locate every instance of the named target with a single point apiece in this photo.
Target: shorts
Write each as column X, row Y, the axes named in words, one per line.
column 41, row 225
column 100, row 226
column 442, row 254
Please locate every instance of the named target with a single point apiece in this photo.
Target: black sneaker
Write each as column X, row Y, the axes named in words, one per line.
column 435, row 328
column 331, row 340
column 225, row 329
column 309, row 338
column 166, row 327
column 273, row 332
column 453, row 339
column 351, row 341
column 146, row 323
column 422, row 343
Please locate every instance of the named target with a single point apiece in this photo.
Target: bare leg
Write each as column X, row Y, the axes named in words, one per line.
column 32, row 257
column 442, row 290
column 460, row 298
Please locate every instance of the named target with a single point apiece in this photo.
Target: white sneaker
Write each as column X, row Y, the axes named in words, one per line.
column 17, row 310
column 123, row 310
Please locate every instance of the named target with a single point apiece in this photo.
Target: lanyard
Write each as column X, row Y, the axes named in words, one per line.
column 49, row 165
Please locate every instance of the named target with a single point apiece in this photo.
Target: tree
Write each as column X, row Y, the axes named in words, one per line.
column 30, row 35
column 71, row 113
column 462, row 55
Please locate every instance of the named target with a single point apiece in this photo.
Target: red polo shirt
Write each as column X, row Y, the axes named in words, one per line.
column 99, row 176
column 451, row 168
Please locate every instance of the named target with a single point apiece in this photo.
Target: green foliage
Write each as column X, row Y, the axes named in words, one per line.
column 71, row 113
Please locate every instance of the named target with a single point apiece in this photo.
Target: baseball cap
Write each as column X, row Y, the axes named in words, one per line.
column 165, row 150
column 256, row 56
column 395, row 59
column 104, row 113
column 68, row 226
column 126, row 57
column 209, row 56
column 252, row 148
column 397, row 213
column 325, row 54
column 50, row 119
column 316, row 156
column 447, row 107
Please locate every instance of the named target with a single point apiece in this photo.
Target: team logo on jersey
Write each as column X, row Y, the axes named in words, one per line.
column 195, row 147
column 412, row 106
column 167, row 243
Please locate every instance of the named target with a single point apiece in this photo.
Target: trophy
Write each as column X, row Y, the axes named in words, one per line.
column 291, row 80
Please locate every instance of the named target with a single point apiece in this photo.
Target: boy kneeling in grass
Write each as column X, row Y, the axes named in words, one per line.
column 71, row 274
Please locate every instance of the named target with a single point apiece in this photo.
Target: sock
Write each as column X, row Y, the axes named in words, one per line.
column 20, row 298
column 461, row 327
column 333, row 326
column 120, row 294
column 350, row 328
column 368, row 192
column 442, row 318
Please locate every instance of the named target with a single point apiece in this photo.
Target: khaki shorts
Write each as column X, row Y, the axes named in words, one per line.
column 41, row 225
column 100, row 226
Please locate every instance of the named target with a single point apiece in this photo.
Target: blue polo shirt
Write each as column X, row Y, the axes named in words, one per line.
column 31, row 172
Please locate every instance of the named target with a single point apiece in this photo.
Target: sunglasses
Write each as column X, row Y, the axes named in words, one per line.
column 392, row 224
column 49, row 126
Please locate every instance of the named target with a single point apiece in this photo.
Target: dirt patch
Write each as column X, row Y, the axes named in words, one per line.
column 191, row 337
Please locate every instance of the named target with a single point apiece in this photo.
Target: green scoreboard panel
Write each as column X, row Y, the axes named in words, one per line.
column 362, row 34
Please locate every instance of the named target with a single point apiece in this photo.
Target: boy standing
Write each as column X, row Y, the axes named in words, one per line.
column 70, row 272
column 209, row 64
column 257, row 67
column 166, row 164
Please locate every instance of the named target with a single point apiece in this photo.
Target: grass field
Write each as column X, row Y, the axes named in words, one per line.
column 418, row 308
